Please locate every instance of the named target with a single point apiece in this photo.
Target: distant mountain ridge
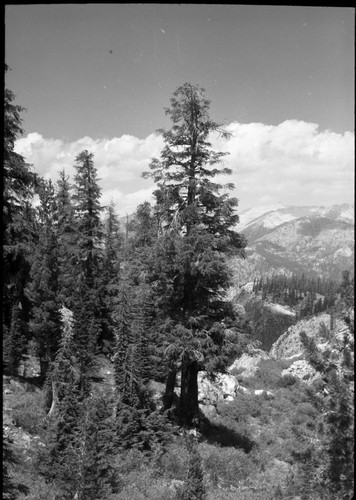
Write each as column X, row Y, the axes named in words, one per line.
column 272, row 216
column 317, row 241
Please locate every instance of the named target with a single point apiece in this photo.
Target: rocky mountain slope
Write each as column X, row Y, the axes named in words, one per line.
column 317, row 241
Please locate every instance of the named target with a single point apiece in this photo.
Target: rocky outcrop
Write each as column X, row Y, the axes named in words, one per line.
column 224, row 387
column 268, row 321
column 247, row 365
column 303, row 370
column 289, row 345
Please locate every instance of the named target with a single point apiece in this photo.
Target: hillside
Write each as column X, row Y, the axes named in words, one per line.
column 317, row 241
column 263, row 433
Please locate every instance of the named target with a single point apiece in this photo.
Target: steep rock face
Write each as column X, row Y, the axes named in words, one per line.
column 303, row 370
column 268, row 321
column 289, row 345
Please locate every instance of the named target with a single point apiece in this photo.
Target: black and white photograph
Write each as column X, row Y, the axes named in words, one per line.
column 178, row 252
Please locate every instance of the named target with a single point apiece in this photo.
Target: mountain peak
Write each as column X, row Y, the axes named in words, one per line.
column 247, row 216
column 315, row 240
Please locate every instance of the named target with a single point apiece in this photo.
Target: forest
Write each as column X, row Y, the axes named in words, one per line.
column 150, row 293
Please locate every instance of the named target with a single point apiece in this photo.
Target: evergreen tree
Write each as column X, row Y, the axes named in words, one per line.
column 340, row 435
column 80, row 437
column 89, row 292
column 346, row 291
column 15, row 340
column 87, row 215
column 67, row 240
column 17, row 230
column 95, row 452
column 127, row 370
column 127, row 362
column 196, row 218
column 59, row 459
column 338, row 407
column 10, row 487
column 113, row 245
column 194, row 488
column 143, row 226
column 44, row 287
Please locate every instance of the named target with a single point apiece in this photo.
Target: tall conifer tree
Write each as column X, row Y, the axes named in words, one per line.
column 197, row 218
column 67, row 240
column 17, row 225
column 44, row 288
column 89, row 288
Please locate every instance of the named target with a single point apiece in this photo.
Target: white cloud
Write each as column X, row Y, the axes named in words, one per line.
column 119, row 161
column 287, row 162
column 290, row 163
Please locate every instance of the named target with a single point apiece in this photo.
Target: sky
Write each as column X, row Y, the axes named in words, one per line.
column 98, row 77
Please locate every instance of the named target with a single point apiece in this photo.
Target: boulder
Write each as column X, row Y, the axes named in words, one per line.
column 208, row 393
column 227, row 384
column 209, row 411
column 157, row 390
column 224, row 387
column 264, row 393
column 303, row 370
column 243, row 390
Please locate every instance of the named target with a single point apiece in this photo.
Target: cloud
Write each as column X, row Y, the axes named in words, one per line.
column 292, row 163
column 119, row 161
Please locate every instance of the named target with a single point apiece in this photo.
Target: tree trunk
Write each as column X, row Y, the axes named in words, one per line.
column 189, row 407
column 54, row 399
column 169, row 393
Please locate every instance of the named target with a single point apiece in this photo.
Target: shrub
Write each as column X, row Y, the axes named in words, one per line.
column 241, row 408
column 268, row 374
column 194, row 485
column 144, row 484
column 225, row 466
column 287, row 380
column 28, row 411
column 173, row 462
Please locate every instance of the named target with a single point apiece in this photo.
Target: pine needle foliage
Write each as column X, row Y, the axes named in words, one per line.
column 17, row 222
column 339, row 405
column 196, row 218
column 194, row 487
column 67, row 240
column 44, row 287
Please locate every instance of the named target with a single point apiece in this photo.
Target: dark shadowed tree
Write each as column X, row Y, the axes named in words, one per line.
column 17, row 225
column 44, row 287
column 67, row 240
column 86, row 196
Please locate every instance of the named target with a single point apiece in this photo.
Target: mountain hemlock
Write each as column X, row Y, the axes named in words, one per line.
column 17, row 233
column 196, row 220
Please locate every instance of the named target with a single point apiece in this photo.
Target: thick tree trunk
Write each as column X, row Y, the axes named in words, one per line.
column 169, row 393
column 189, row 407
